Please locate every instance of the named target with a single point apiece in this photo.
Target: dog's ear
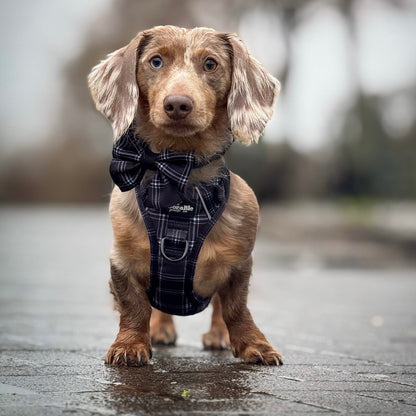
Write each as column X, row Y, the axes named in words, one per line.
column 252, row 94
column 114, row 86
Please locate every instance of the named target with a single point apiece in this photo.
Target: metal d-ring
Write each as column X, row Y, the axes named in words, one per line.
column 162, row 250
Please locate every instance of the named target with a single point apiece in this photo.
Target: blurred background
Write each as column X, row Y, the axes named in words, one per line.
column 336, row 163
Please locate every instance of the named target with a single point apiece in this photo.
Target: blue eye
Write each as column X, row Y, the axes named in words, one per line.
column 210, row 65
column 156, row 62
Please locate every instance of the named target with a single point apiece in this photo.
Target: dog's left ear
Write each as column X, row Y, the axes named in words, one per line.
column 114, row 86
column 252, row 95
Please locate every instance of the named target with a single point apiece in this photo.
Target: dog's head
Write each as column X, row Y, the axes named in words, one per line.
column 179, row 83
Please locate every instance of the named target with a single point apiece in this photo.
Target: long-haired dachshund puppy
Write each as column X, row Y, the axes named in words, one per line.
column 184, row 225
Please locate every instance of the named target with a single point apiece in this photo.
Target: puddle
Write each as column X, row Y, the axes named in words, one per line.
column 202, row 380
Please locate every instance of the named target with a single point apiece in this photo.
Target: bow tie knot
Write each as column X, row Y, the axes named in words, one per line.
column 132, row 158
column 149, row 160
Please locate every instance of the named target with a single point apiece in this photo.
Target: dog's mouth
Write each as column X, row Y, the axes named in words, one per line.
column 180, row 128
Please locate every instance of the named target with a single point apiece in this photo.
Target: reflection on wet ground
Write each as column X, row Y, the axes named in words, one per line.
column 212, row 380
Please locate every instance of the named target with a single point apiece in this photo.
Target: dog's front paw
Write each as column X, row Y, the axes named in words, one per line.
column 128, row 354
column 258, row 353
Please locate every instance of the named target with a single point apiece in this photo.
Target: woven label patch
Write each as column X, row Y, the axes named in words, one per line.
column 181, row 209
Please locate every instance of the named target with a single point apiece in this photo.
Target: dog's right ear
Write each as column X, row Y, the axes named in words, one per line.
column 114, row 86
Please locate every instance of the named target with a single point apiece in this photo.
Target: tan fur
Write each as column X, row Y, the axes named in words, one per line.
column 234, row 99
column 217, row 338
column 162, row 328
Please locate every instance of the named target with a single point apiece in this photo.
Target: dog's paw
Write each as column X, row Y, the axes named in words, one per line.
column 163, row 334
column 259, row 353
column 128, row 354
column 216, row 339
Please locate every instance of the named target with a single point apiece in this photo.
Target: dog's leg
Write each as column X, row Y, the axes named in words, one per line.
column 217, row 338
column 247, row 341
column 162, row 328
column 132, row 345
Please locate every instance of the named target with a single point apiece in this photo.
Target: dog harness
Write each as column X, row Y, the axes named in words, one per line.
column 177, row 217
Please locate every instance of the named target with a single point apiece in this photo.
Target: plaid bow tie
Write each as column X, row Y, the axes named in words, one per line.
column 131, row 159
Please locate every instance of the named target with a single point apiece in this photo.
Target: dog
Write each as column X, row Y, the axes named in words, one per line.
column 185, row 92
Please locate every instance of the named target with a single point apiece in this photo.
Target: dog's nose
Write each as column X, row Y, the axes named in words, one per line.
column 177, row 106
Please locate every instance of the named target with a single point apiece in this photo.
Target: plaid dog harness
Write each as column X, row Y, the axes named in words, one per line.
column 178, row 217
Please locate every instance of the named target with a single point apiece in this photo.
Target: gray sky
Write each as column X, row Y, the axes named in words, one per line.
column 37, row 39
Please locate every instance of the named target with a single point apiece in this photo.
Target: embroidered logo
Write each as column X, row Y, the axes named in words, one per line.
column 181, row 209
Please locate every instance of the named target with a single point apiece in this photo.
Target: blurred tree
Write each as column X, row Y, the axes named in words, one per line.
column 367, row 159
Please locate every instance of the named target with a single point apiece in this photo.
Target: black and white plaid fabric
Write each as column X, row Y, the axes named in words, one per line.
column 132, row 158
column 177, row 222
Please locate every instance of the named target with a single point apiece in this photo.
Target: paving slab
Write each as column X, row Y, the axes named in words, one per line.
column 348, row 335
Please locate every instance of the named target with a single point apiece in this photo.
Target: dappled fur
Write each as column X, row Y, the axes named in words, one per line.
column 232, row 100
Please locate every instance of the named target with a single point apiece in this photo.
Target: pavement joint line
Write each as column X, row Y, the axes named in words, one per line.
column 385, row 378
column 353, row 357
column 296, row 401
column 291, row 378
column 383, row 399
column 402, row 383
column 302, row 402
column 318, row 406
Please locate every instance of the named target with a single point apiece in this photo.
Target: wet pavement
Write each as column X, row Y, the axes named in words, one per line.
column 347, row 334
